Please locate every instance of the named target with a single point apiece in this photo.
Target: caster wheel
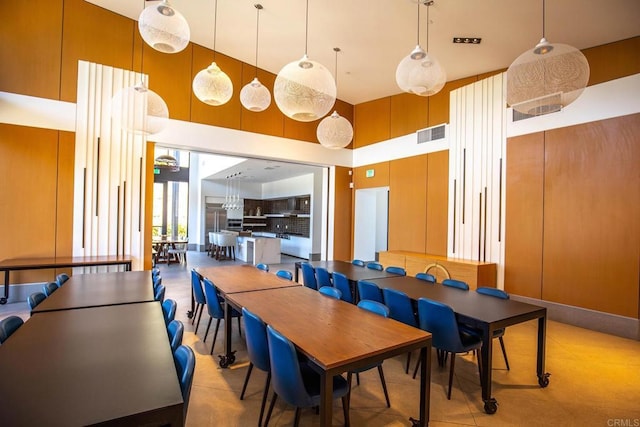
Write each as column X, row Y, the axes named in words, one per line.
column 543, row 380
column 490, row 406
column 224, row 362
column 3, row 300
column 190, row 314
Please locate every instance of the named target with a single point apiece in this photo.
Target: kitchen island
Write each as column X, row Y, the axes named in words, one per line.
column 256, row 250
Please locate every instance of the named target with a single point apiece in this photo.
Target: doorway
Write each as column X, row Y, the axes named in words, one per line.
column 371, row 222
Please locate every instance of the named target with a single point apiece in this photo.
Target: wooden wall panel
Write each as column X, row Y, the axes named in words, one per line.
column 302, row 131
column 523, row 223
column 439, row 103
column 148, row 203
column 93, row 34
column 408, row 113
column 28, row 27
column 408, row 204
column 64, row 202
column 269, row 121
column 437, row 221
column 591, row 212
column 342, row 226
column 613, row 60
column 380, row 178
column 371, row 122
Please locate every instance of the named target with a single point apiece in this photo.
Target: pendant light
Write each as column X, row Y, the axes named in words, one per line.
column 139, row 110
column 304, row 90
column 419, row 72
column 211, row 85
column 335, row 131
column 254, row 96
column 167, row 162
column 546, row 78
column 164, row 28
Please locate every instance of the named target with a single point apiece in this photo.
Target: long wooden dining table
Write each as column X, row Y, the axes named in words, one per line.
column 484, row 313
column 337, row 336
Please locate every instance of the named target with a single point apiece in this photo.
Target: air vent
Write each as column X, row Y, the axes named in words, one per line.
column 431, row 134
column 537, row 107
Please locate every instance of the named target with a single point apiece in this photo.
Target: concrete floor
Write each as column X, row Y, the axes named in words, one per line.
column 595, row 378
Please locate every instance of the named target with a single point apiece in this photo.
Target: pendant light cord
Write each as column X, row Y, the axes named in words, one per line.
column 258, row 6
column 543, row 23
column 215, row 27
column 335, row 70
column 306, row 31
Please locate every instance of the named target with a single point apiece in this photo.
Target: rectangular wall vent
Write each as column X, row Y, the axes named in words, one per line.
column 431, row 134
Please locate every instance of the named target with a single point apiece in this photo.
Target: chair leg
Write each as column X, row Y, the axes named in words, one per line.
column 193, row 319
column 207, row 330
column 215, row 335
column 406, row 370
column 239, row 328
column 504, row 352
column 453, row 363
column 384, row 385
column 415, row 371
column 296, row 423
column 346, row 400
column 273, row 402
column 246, row 380
column 264, row 398
column 358, row 378
column 199, row 316
column 349, row 377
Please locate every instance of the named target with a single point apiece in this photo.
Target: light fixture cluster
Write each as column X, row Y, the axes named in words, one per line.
column 232, row 199
column 467, row 40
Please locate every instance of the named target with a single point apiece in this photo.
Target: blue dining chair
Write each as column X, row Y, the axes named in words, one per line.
column 453, row 283
column 396, row 270
column 341, row 282
column 426, row 277
column 169, row 308
column 285, row 274
column 298, row 384
column 159, row 293
column 381, row 310
column 440, row 320
column 375, row 266
column 263, row 267
column 309, row 276
column 323, row 278
column 216, row 311
column 330, row 291
column 8, row 326
column 157, row 281
column 34, row 299
column 400, row 309
column 255, row 332
column 498, row 333
column 175, row 329
column 61, row 279
column 185, row 361
column 198, row 297
column 358, row 262
column 369, row 290
column 49, row 288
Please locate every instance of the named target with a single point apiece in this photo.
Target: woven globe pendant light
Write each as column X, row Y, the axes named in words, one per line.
column 304, row 90
column 419, row 72
column 164, row 28
column 335, row 131
column 139, row 110
column 212, row 85
column 546, row 78
column 254, row 96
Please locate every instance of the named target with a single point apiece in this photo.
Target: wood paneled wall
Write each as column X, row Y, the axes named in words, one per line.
column 343, row 217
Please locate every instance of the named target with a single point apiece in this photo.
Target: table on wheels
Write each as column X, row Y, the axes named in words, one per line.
column 484, row 313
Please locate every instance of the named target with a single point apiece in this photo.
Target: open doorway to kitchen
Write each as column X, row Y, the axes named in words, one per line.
column 371, row 222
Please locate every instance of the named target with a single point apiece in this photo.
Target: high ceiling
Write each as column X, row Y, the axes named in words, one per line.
column 374, row 35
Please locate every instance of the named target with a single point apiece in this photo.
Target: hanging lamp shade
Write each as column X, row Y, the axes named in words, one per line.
column 212, row 86
column 164, row 28
column 254, row 96
column 304, row 90
column 139, row 110
column 167, row 162
column 546, row 78
column 334, row 131
column 420, row 73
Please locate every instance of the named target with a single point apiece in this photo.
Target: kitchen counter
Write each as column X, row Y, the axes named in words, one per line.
column 256, row 250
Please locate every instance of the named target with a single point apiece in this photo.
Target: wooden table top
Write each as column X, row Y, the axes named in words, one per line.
column 97, row 289
column 110, row 364
column 348, row 337
column 353, row 272
column 243, row 278
column 53, row 262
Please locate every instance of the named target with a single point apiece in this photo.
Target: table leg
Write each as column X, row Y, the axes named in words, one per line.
column 5, row 298
column 229, row 356
column 425, row 386
column 490, row 404
column 295, row 271
column 543, row 377
column 326, row 399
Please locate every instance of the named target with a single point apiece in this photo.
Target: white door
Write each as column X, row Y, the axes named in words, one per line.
column 371, row 222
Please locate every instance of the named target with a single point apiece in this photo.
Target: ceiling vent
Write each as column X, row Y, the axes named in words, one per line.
column 431, row 134
column 537, row 107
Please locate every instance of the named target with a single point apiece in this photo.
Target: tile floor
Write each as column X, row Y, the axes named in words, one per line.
column 595, row 378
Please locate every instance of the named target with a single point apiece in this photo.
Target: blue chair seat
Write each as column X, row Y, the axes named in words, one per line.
column 216, row 311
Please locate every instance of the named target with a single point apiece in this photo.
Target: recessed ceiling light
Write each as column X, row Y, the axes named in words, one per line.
column 467, row 40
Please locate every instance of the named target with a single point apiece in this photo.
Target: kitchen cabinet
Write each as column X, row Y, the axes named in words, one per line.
column 296, row 246
column 256, row 250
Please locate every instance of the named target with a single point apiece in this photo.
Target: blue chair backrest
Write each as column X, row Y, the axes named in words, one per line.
column 341, row 282
column 309, row 276
column 34, row 299
column 374, row 307
column 49, row 288
column 61, row 279
column 400, row 306
column 263, row 267
column 196, row 284
column 494, row 292
column 185, row 361
column 358, row 262
column 213, row 302
column 157, row 281
column 155, row 271
column 159, row 295
column 459, row 284
column 255, row 332
column 286, row 377
column 8, row 326
column 330, row 291
column 285, row 274
column 396, row 270
column 440, row 320
column 426, row 277
column 322, row 277
column 175, row 329
column 368, row 290
column 375, row 266
column 169, row 308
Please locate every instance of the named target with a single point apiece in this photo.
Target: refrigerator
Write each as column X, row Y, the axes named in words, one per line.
column 215, row 219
